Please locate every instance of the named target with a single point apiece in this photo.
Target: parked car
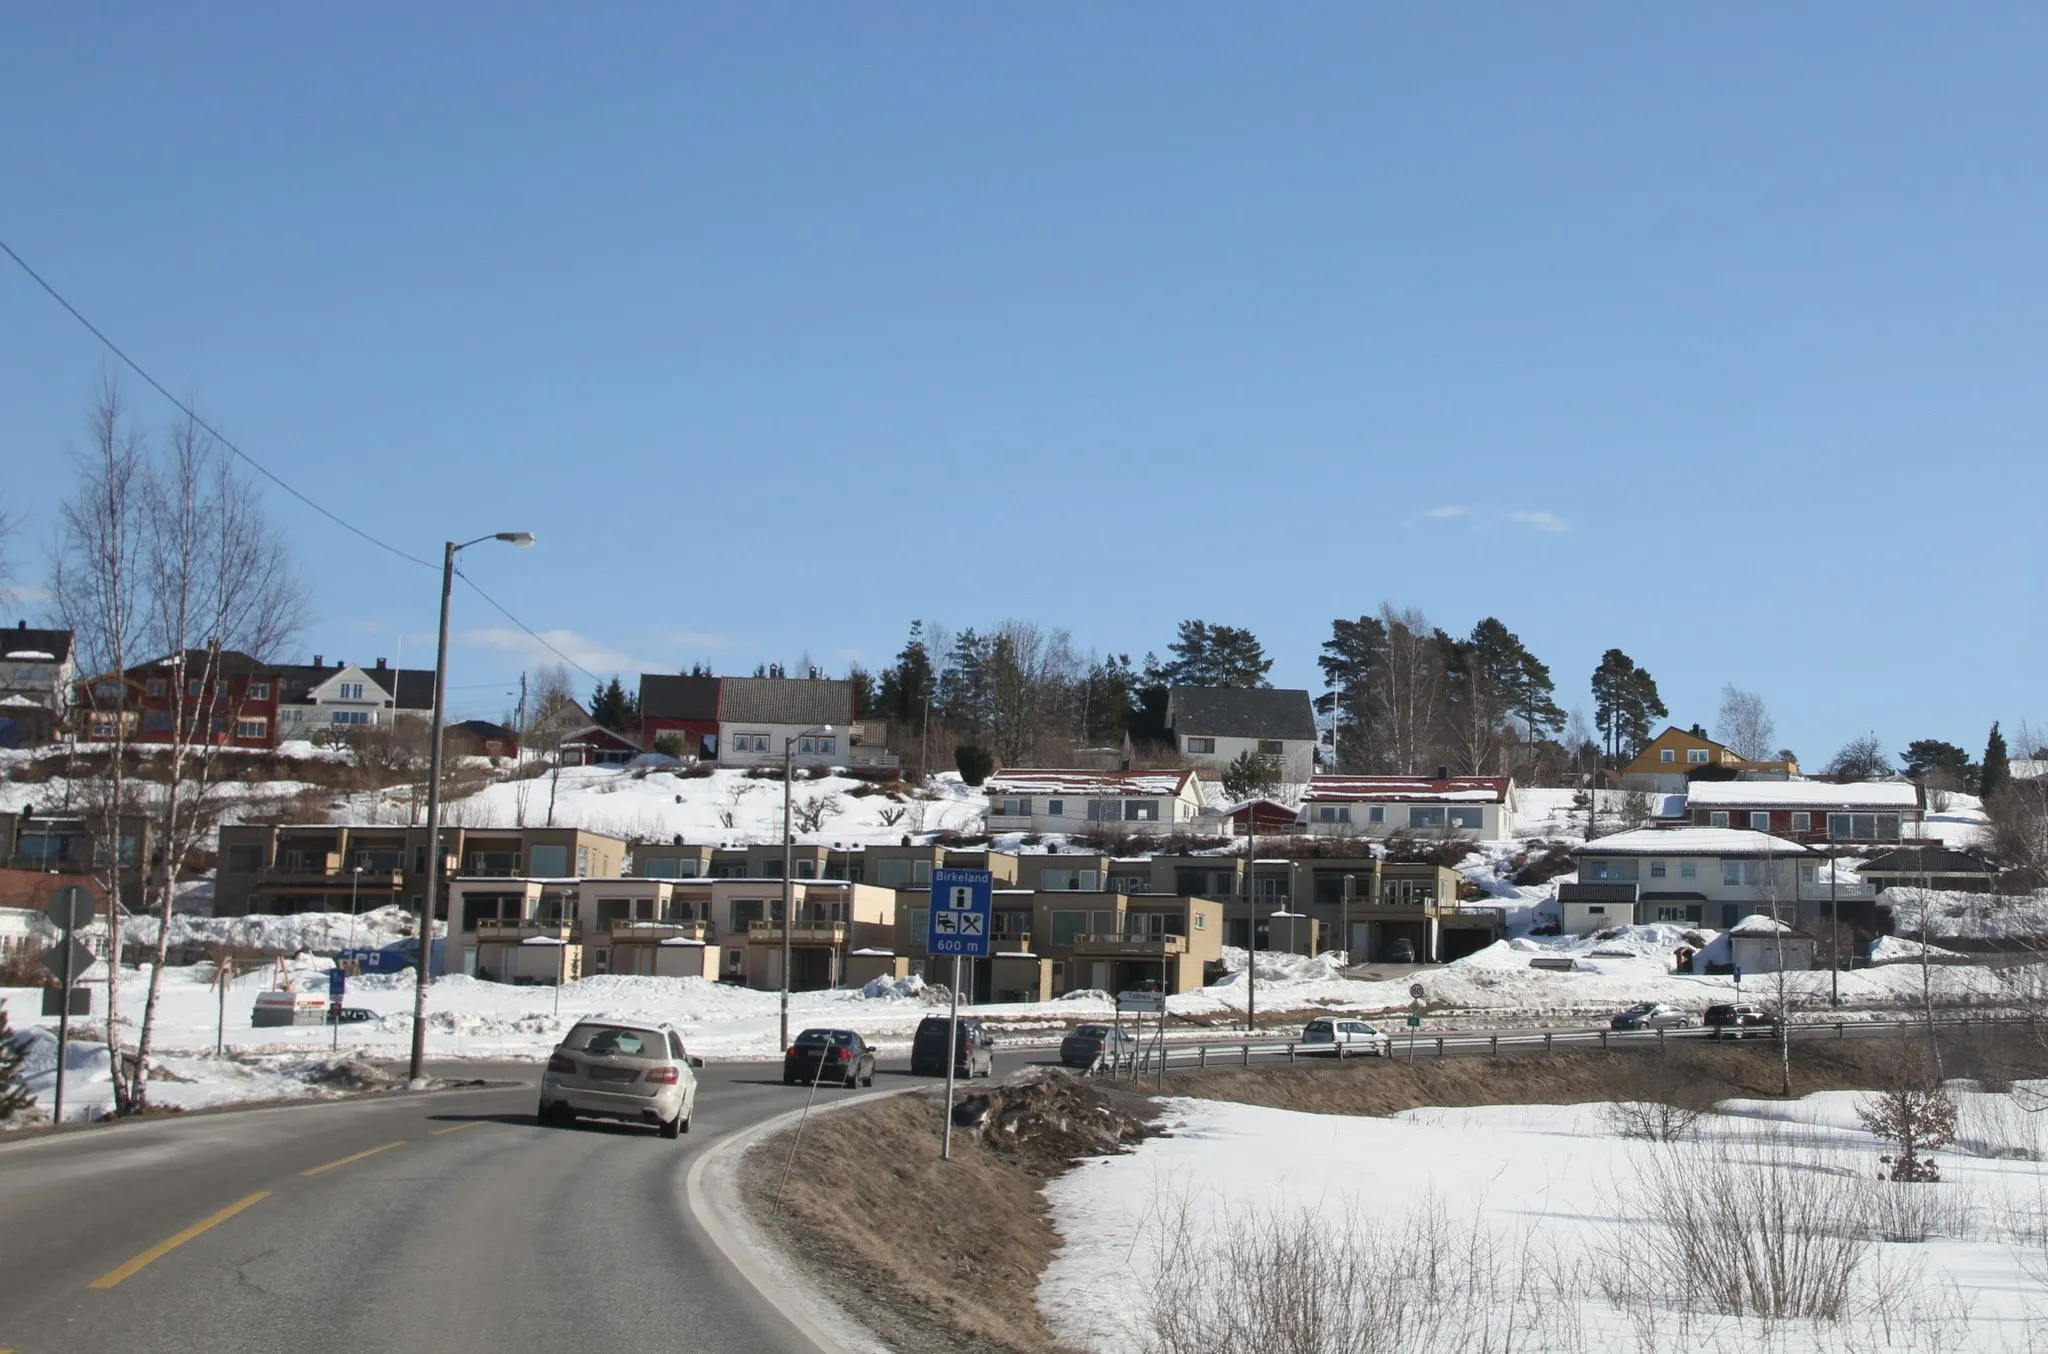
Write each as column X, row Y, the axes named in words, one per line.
column 1343, row 1035
column 829, row 1055
column 1739, row 1020
column 1401, row 951
column 640, row 1074
column 1090, row 1045
column 1651, row 1015
column 973, row 1056
column 350, row 1015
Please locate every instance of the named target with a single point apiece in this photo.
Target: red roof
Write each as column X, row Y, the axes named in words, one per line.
column 1407, row 789
column 1063, row 782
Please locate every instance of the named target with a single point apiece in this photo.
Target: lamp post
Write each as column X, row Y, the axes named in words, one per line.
column 417, row 1070
column 788, row 862
column 355, row 885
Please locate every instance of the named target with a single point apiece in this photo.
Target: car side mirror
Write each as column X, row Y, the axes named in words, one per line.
column 696, row 1062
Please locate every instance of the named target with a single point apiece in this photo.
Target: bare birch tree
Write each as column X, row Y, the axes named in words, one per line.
column 95, row 572
column 220, row 590
column 1745, row 725
column 1407, row 692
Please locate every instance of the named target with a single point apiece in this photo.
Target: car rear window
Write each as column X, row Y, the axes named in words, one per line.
column 622, row 1039
column 1093, row 1031
column 825, row 1037
column 1318, row 1027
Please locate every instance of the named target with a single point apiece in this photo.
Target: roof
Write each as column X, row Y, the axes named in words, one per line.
column 1407, row 789
column 1240, row 712
column 226, row 663
column 408, row 688
column 666, row 696
column 1692, row 841
column 1050, row 782
column 24, row 641
column 785, row 700
column 1802, row 794
column 482, row 728
column 1596, row 893
column 1927, row 860
column 1757, row 924
column 598, row 733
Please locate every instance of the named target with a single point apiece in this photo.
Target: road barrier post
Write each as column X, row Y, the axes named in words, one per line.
column 1546, row 1041
column 1493, row 1046
column 1247, row 1048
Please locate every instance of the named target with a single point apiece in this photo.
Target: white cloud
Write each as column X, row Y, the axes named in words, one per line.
column 1540, row 519
column 1448, row 510
column 586, row 653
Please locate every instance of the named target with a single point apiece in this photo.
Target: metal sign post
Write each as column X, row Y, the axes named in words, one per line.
column 69, row 909
column 337, row 988
column 960, row 922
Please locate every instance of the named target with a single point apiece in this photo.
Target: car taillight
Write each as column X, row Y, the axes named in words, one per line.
column 666, row 1076
column 841, row 1054
column 791, row 1051
column 561, row 1062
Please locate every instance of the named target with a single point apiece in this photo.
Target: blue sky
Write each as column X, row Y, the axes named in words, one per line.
column 1715, row 335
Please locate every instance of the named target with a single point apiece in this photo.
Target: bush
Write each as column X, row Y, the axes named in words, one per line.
column 976, row 764
column 1414, row 850
column 671, row 745
column 1552, row 859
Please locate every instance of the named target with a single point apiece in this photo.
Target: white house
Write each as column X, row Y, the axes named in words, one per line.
column 1757, row 944
column 1075, row 801
column 37, row 668
column 1584, row 909
column 1214, row 726
column 758, row 716
column 346, row 696
column 1703, row 876
column 1480, row 807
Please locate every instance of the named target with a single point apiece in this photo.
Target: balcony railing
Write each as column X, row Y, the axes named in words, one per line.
column 1149, row 946
column 1011, row 942
column 526, row 928
column 279, row 877
column 651, row 932
column 806, row 932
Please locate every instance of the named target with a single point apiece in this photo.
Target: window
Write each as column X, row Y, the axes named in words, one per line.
column 1596, row 909
column 1760, row 820
column 1333, row 813
column 252, row 728
column 259, row 691
column 1863, row 827
column 1070, row 881
column 1696, row 756
column 582, row 861
column 1473, row 819
column 1270, row 747
column 549, row 862
column 1731, row 874
column 1141, row 811
column 1066, row 926
column 1809, row 874
column 220, row 689
column 1055, row 808
column 348, row 691
column 1718, row 818
column 156, row 686
column 1201, row 745
column 1656, row 869
column 1611, row 871
column 192, row 690
column 1376, row 814
column 661, row 868
column 1201, row 921
column 1802, row 821
column 1432, row 816
column 348, row 717
column 156, row 721
column 814, row 747
column 1667, row 755
column 1013, row 808
column 807, row 869
column 897, row 874
column 244, row 859
column 1688, row 869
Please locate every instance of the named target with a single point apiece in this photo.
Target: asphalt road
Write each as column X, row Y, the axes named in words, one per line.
column 443, row 1223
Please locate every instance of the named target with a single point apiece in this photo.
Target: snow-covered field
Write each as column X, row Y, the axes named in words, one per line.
column 1537, row 1228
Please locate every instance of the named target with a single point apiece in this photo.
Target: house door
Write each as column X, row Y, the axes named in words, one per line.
column 1098, row 975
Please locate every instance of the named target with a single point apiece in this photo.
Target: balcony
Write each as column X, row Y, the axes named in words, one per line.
column 282, row 878
column 1130, row 947
column 506, row 929
column 1011, row 942
column 803, row 933
column 623, row 930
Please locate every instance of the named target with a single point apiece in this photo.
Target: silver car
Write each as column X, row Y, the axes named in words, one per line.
column 1651, row 1015
column 637, row 1073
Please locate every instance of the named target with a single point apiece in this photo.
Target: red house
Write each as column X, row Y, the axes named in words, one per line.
column 685, row 706
column 224, row 696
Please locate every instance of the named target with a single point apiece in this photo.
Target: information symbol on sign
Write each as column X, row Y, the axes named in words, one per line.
column 960, row 898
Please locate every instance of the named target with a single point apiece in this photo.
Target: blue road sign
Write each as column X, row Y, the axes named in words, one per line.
column 961, row 920
column 1738, row 977
column 337, row 984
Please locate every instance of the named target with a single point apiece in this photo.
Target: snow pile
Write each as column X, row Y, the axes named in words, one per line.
column 185, row 1082
column 298, row 932
column 1898, row 950
column 1537, row 1203
column 893, row 989
column 1945, row 914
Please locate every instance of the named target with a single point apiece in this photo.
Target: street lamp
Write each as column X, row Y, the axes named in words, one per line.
column 788, row 862
column 417, row 1071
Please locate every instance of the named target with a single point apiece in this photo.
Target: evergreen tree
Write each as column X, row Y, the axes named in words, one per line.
column 1349, row 657
column 865, row 701
column 14, row 1093
column 906, row 687
column 1611, row 699
column 612, row 707
column 1927, row 757
column 1108, row 696
column 1642, row 708
column 1997, row 771
column 1252, row 776
column 1217, row 655
column 965, row 688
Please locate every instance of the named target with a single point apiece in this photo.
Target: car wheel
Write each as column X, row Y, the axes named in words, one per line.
column 788, row 1080
column 869, row 1079
column 672, row 1128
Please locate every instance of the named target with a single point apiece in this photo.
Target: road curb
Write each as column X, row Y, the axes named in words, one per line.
column 711, row 1191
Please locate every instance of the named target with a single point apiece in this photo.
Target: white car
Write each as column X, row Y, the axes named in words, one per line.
column 637, row 1073
column 1343, row 1035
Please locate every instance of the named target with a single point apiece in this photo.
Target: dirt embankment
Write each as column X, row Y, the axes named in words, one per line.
column 937, row 1256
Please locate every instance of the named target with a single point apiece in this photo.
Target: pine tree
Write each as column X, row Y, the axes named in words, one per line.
column 1611, row 698
column 1108, row 696
column 15, row 1097
column 1217, row 655
column 1997, row 772
column 612, row 708
column 1926, row 757
column 907, row 686
column 1642, row 708
column 1349, row 657
column 1251, row 776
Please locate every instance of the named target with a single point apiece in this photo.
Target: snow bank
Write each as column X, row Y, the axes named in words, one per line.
column 1946, row 914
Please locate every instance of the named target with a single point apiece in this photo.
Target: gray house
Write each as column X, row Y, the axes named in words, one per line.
column 758, row 715
column 1212, row 726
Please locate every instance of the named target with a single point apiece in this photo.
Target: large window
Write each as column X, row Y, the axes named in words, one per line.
column 1333, row 813
column 1430, row 816
column 549, row 862
column 903, row 874
column 661, row 867
column 1070, row 881
column 1201, row 745
column 1473, row 819
column 1013, row 808
column 1863, row 827
column 252, row 728
column 1141, row 811
column 1271, row 747
column 1611, row 870
column 1067, row 926
column 1696, row 756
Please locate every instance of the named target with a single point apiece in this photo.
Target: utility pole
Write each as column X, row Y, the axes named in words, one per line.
column 1251, row 938
column 1344, row 926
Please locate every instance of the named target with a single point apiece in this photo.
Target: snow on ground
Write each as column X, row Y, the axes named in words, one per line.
column 325, row 932
column 1558, row 1206
column 1944, row 914
column 191, row 1081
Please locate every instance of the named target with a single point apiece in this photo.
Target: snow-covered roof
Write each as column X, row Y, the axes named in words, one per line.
column 1407, row 789
column 1692, row 841
column 30, row 656
column 1803, row 794
column 1757, row 924
column 1051, row 782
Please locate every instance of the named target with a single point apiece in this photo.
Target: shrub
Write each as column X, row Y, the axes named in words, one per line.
column 670, row 745
column 976, row 764
column 1552, row 859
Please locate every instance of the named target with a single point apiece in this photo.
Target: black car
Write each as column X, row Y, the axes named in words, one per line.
column 974, row 1056
column 1739, row 1020
column 1089, row 1045
column 350, row 1015
column 829, row 1055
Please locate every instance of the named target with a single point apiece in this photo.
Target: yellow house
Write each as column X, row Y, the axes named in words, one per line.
column 1672, row 755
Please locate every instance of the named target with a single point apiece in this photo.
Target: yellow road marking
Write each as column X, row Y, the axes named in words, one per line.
column 335, row 1165
column 169, row 1244
column 456, row 1128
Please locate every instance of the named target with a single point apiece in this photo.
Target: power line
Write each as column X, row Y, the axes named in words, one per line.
column 190, row 413
column 263, row 470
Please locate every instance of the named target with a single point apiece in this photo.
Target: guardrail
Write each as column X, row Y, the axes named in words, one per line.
column 1240, row 1052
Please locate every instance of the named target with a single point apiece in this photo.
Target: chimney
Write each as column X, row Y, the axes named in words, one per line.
column 1443, row 773
column 380, row 665
column 318, row 662
column 21, row 625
